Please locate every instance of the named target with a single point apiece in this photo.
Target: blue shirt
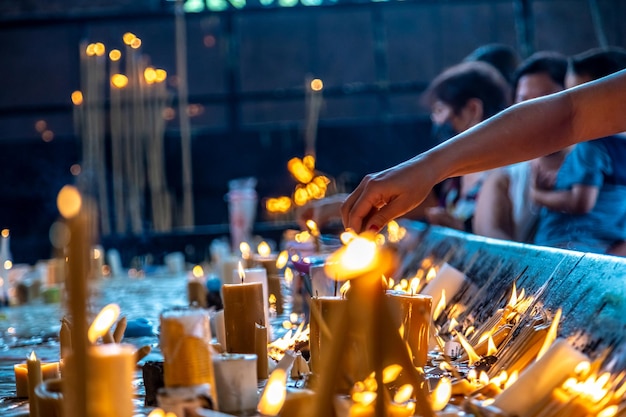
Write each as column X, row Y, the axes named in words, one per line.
column 600, row 163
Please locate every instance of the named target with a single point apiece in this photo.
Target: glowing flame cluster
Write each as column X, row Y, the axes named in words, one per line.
column 310, row 186
column 363, row 393
column 289, row 341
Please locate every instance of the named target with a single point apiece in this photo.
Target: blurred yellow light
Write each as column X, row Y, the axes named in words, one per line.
column 103, row 322
column 8, row 264
column 161, row 75
column 300, row 196
column 264, row 249
column 317, row 84
column 115, row 55
column 91, row 49
column 150, row 75
column 442, row 394
column 5, row 233
column 300, row 170
column 69, row 201
column 391, row 373
column 99, row 49
column 77, row 98
column 197, row 271
column 274, row 394
column 128, row 38
column 119, row 80
column 403, row 394
column 282, row 259
column 136, row 43
column 309, row 162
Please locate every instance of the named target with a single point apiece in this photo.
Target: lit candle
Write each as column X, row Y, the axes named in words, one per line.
column 266, row 259
column 103, row 322
column 330, row 310
column 186, row 345
column 228, row 267
column 540, row 378
column 109, row 380
column 33, row 364
column 236, row 380
column 196, row 287
column 257, row 275
column 49, row 370
column 412, row 313
column 274, row 394
column 243, row 309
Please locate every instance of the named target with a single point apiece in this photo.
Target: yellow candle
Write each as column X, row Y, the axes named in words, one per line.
column 243, row 309
column 186, row 345
column 33, row 364
column 412, row 313
column 49, row 370
column 197, row 292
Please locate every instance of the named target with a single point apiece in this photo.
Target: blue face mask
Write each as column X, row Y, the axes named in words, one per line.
column 442, row 132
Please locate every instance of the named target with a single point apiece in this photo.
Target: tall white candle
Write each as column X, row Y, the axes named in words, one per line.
column 448, row 279
column 236, row 380
column 539, row 379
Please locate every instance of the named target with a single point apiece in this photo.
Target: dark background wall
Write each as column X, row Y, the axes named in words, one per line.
column 246, row 71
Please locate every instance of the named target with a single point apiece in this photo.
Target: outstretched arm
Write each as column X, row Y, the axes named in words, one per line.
column 522, row 132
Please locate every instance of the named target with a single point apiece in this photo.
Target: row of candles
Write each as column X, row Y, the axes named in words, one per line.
column 190, row 360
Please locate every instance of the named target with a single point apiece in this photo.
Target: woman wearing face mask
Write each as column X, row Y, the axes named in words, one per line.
column 460, row 98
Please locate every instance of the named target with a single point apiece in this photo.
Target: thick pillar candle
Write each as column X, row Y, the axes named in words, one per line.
column 110, row 380
column 412, row 312
column 48, row 371
column 236, row 380
column 243, row 309
column 330, row 310
column 257, row 275
column 186, row 345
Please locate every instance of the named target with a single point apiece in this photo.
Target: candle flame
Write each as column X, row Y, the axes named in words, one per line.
column 293, row 317
column 312, row 226
column 551, row 335
column 511, row 380
column 390, row 283
column 344, row 289
column 157, row 412
column 513, row 299
column 302, row 237
column 471, row 353
column 5, row 233
column 197, row 271
column 364, row 397
column 119, row 81
column 441, row 305
column 582, row 368
column 414, row 285
column 395, row 232
column 115, row 55
column 347, row 236
column 32, row 356
column 69, row 201
column 274, row 395
column 391, row 373
column 282, row 259
column 244, row 248
column 609, row 411
column 441, row 394
column 491, row 347
column 91, row 49
column 317, row 84
column 264, row 249
column 77, row 98
column 135, row 43
column 103, row 322
column 99, row 49
column 300, row 171
column 241, row 271
column 149, row 74
column 452, row 325
column 355, row 258
column 128, row 38
column 278, row 205
column 483, row 378
column 404, row 393
column 379, row 239
column 432, row 273
column 288, row 276
column 161, row 75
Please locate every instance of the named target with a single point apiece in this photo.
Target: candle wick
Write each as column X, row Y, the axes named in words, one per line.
column 336, row 283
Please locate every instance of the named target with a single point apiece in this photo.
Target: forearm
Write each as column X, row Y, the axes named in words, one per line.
column 534, row 128
column 562, row 201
